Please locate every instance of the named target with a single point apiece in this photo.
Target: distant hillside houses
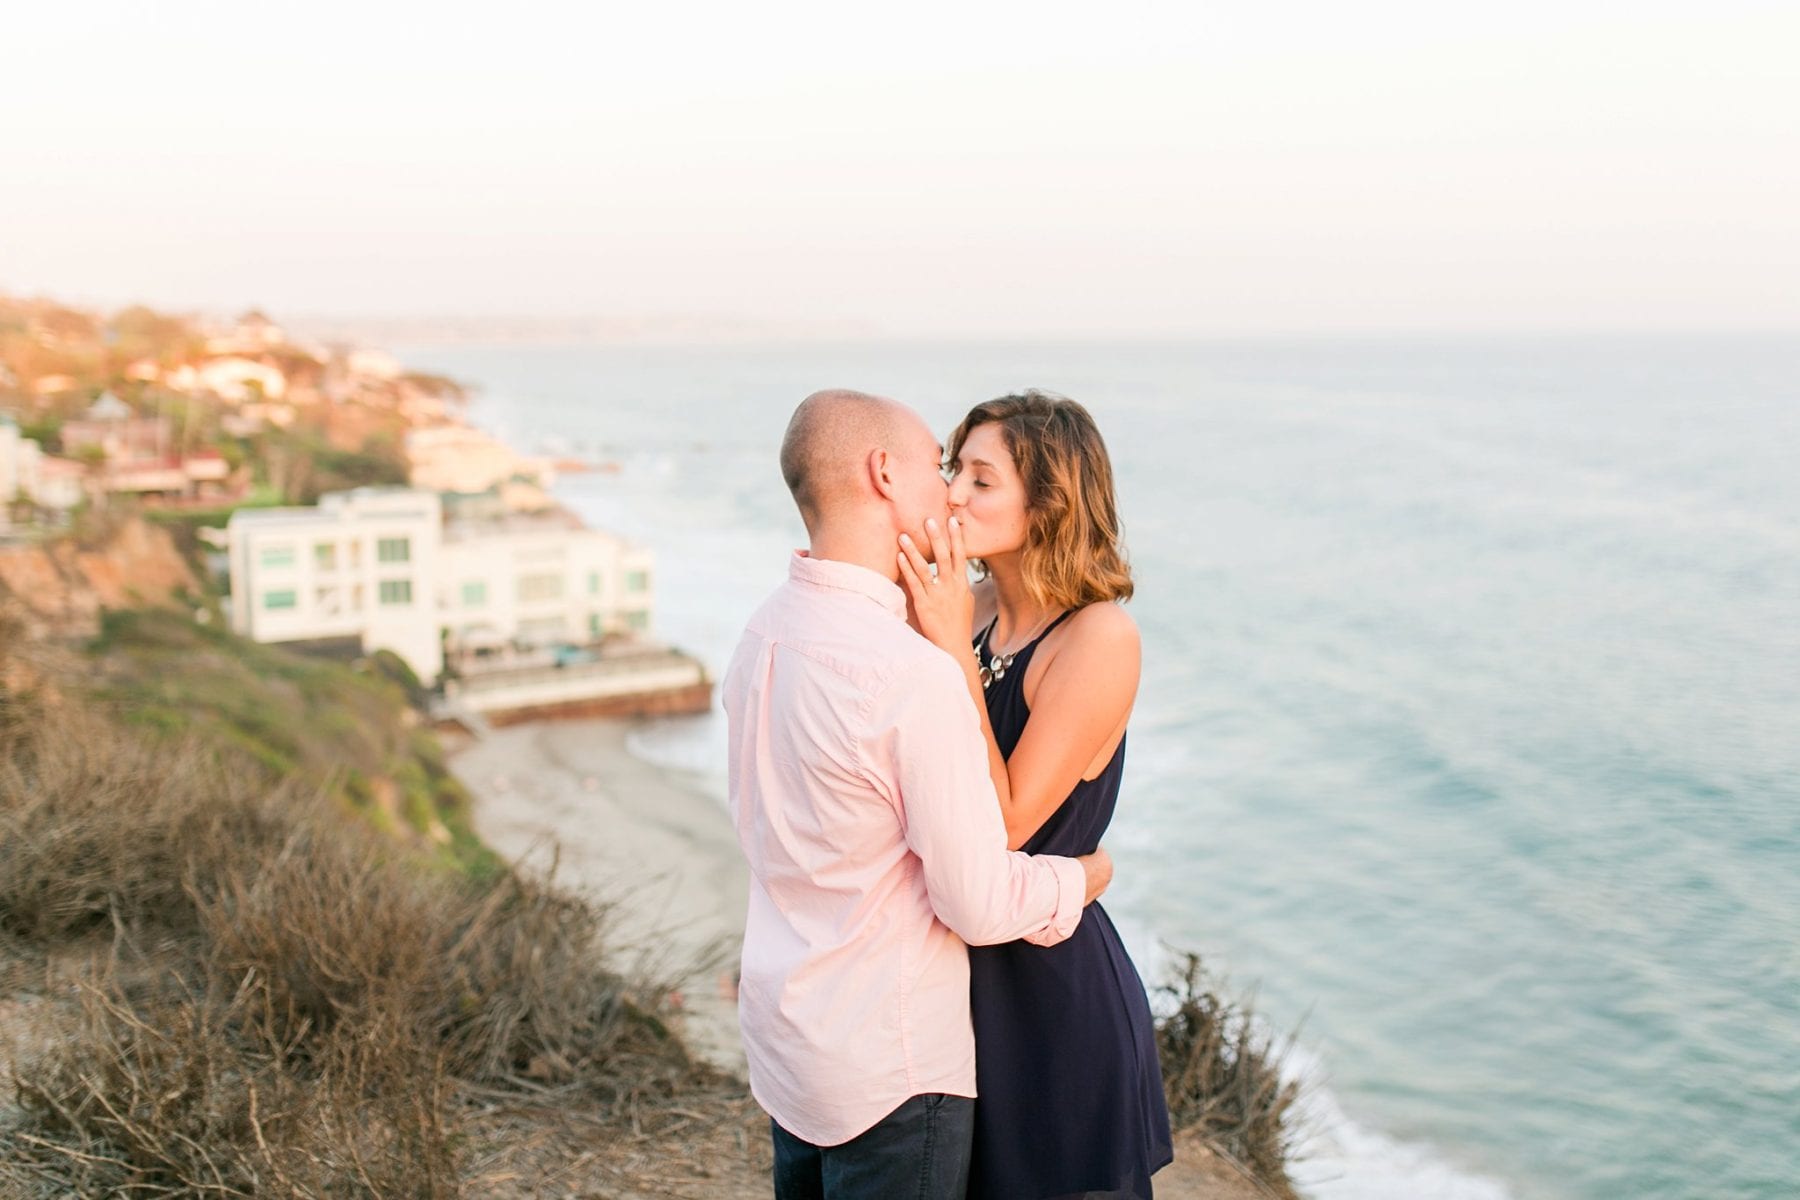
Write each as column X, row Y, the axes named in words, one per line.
column 373, row 364
column 53, row 385
column 384, row 568
column 456, row 458
column 113, row 428
column 29, row 474
column 234, row 380
column 137, row 455
column 253, row 333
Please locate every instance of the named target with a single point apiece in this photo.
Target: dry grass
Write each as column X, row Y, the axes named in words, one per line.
column 258, row 996
column 1223, row 1080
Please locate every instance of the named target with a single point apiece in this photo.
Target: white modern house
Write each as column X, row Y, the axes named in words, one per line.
column 382, row 565
column 535, row 579
column 362, row 564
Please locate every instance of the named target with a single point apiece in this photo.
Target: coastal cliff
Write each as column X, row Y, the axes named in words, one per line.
column 59, row 587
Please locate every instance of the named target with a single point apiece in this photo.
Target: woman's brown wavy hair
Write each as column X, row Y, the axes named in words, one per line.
column 1074, row 550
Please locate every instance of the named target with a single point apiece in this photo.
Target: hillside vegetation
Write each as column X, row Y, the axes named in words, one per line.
column 242, row 981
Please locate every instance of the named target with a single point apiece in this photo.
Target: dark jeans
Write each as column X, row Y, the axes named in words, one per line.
column 920, row 1151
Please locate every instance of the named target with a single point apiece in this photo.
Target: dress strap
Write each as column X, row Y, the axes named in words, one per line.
column 982, row 637
column 1067, row 613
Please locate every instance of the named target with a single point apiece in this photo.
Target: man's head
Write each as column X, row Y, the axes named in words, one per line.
column 863, row 464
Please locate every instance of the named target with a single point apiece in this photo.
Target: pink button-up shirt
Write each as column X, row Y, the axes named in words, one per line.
column 860, row 788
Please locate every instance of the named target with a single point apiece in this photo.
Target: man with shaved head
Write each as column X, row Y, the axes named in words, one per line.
column 877, row 850
column 821, row 456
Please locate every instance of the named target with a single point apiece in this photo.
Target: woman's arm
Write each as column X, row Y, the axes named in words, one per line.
column 1082, row 701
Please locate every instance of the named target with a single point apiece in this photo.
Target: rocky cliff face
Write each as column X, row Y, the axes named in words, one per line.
column 58, row 589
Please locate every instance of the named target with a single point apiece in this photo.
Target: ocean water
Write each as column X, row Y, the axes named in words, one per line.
column 1469, row 735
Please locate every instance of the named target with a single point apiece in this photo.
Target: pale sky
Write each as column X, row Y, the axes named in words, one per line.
column 964, row 169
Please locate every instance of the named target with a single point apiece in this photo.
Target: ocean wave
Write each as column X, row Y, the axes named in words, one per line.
column 694, row 745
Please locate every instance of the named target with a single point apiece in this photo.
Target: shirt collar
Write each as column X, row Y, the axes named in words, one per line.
column 847, row 577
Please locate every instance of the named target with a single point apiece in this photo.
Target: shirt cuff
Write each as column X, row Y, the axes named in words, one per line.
column 1071, row 892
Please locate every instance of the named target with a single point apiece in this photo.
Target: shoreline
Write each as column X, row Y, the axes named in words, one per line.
column 650, row 842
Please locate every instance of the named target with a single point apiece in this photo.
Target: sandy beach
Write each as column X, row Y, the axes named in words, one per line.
column 653, row 841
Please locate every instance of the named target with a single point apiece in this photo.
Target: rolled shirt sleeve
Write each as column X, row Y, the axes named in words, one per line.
column 924, row 724
column 1071, row 897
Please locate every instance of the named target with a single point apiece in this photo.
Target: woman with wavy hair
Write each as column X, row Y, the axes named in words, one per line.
column 1069, row 1094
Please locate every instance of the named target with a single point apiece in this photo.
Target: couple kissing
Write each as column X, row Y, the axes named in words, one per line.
column 927, row 727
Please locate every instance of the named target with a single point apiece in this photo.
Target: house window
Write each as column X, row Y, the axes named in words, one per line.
column 540, row 587
column 284, row 598
column 637, row 581
column 327, row 601
column 278, row 556
column 638, row 620
column 541, row 630
column 396, row 591
column 474, row 595
column 325, row 556
column 594, row 625
column 393, row 550
column 593, row 583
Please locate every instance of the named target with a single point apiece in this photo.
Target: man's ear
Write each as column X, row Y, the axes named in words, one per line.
column 881, row 474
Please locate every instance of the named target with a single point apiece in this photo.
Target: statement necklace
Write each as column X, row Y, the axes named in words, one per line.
column 997, row 664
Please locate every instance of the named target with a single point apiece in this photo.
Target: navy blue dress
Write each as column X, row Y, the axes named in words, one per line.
column 1069, row 1094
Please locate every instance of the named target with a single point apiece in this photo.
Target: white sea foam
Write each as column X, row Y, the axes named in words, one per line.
column 694, row 744
column 1342, row 1160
